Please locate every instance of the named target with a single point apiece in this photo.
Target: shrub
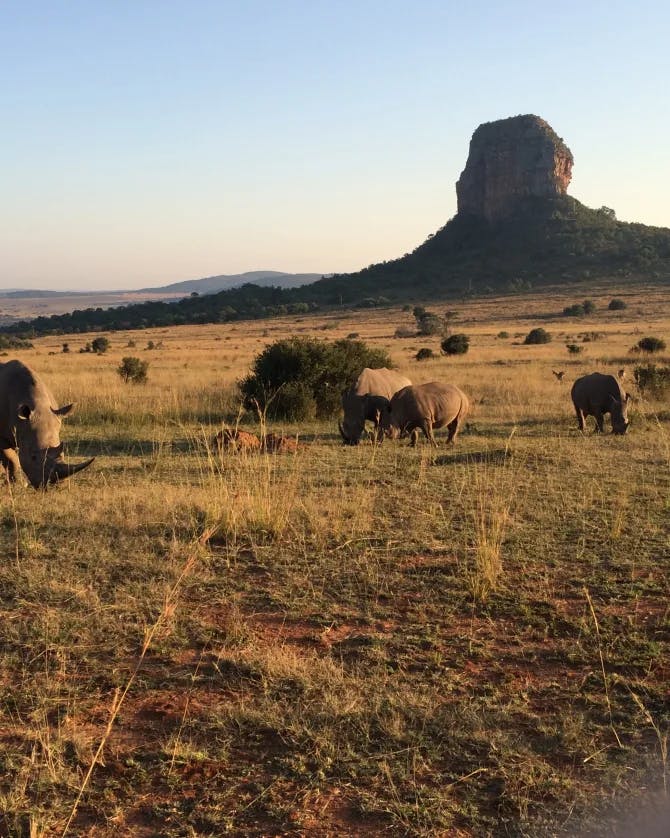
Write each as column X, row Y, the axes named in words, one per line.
column 455, row 345
column 298, row 378
column 66, row 347
column 100, row 345
column 502, row 335
column 653, row 380
column 11, row 342
column 650, row 345
column 424, row 354
column 538, row 335
column 429, row 324
column 133, row 370
column 617, row 305
column 353, row 336
column 588, row 306
column 404, row 332
column 576, row 310
column 574, row 348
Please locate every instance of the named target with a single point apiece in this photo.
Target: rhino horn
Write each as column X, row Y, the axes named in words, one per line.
column 63, row 411
column 62, row 470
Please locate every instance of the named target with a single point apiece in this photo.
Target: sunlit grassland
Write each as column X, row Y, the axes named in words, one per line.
column 472, row 641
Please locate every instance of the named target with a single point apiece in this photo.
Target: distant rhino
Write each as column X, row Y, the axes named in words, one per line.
column 425, row 407
column 366, row 399
column 30, row 425
column 597, row 394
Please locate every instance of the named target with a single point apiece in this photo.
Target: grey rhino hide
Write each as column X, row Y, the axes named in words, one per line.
column 30, row 428
column 360, row 405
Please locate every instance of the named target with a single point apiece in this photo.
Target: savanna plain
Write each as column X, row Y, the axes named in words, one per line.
column 375, row 640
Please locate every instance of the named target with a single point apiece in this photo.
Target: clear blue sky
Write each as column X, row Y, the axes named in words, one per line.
column 149, row 141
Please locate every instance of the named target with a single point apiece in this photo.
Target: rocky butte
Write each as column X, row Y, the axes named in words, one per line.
column 512, row 159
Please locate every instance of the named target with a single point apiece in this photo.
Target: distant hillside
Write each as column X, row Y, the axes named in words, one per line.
column 212, row 284
column 516, row 228
column 554, row 241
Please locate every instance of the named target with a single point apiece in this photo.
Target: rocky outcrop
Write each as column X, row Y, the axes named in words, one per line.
column 509, row 160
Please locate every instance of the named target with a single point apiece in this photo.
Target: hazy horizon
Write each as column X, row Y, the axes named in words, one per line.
column 147, row 144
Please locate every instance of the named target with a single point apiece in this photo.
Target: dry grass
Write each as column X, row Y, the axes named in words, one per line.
column 372, row 640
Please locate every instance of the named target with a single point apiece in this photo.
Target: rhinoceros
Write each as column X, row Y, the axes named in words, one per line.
column 30, row 425
column 232, row 439
column 367, row 399
column 597, row 394
column 425, row 407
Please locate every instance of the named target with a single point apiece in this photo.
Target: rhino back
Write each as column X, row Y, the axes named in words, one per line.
column 595, row 392
column 441, row 403
column 380, row 382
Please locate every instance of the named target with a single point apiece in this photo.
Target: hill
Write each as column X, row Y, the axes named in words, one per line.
column 212, row 284
column 516, row 228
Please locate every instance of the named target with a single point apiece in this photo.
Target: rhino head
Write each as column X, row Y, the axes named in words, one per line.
column 619, row 414
column 37, row 430
column 353, row 423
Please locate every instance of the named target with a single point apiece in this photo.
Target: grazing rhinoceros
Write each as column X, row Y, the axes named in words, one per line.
column 597, row 394
column 366, row 400
column 425, row 407
column 30, row 424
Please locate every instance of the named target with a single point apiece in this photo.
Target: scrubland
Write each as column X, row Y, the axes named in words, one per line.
column 345, row 641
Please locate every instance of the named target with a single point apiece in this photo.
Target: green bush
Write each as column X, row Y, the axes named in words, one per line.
column 653, row 380
column 617, row 305
column 299, row 378
column 429, row 324
column 650, row 345
column 538, row 335
column 133, row 370
column 100, row 345
column 455, row 345
column 10, row 342
column 574, row 348
column 503, row 335
column 589, row 306
column 424, row 354
column 576, row 310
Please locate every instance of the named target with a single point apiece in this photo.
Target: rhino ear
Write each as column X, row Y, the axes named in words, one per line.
column 24, row 411
column 63, row 411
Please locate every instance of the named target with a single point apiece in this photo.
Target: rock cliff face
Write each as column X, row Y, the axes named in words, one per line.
column 511, row 159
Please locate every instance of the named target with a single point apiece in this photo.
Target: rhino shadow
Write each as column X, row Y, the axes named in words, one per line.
column 496, row 457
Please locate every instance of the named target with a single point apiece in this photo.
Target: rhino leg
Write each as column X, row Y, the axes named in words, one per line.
column 10, row 461
column 452, row 427
column 413, row 437
column 580, row 419
column 600, row 422
column 427, row 427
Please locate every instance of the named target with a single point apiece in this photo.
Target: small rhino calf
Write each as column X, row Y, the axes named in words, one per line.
column 277, row 444
column 236, row 440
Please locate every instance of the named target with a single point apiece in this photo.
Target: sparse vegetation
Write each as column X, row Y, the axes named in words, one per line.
column 12, row 342
column 299, row 378
column 537, row 335
column 100, row 345
column 650, row 345
column 455, row 344
column 133, row 370
column 617, row 304
column 653, row 380
column 574, row 348
column 424, row 354
column 344, row 641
